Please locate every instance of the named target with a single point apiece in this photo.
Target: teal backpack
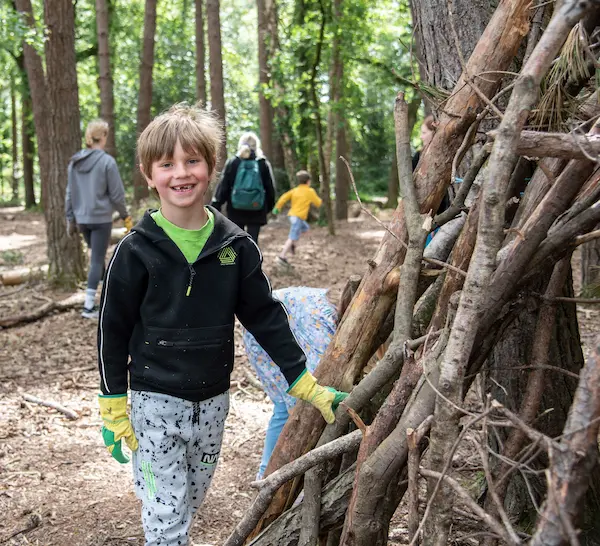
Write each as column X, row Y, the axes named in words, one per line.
column 248, row 192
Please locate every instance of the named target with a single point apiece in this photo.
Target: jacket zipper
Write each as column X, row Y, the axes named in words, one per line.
column 192, row 275
column 191, row 265
column 187, row 345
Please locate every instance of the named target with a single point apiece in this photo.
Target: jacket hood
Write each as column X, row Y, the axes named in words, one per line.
column 224, row 232
column 84, row 160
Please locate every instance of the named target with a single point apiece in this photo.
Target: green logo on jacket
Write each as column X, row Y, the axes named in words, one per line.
column 227, row 256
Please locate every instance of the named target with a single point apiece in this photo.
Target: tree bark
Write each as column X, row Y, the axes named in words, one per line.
column 563, row 145
column 105, row 80
column 145, row 93
column 64, row 252
column 217, row 96
column 436, row 45
column 264, row 80
column 27, row 145
column 590, row 268
column 200, row 54
column 14, row 140
column 352, row 345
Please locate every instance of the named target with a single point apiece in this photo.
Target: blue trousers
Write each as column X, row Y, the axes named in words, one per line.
column 278, row 419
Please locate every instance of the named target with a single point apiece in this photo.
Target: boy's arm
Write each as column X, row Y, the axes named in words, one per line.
column 316, row 200
column 283, row 199
column 266, row 318
column 68, row 203
column 122, row 294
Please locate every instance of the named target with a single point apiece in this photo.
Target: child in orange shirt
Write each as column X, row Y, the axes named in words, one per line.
column 302, row 196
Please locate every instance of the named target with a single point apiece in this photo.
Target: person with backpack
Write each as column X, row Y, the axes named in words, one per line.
column 247, row 187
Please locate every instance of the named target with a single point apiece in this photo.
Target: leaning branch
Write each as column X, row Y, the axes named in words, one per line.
column 271, row 484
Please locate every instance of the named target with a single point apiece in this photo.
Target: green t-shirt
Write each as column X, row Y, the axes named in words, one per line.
column 189, row 241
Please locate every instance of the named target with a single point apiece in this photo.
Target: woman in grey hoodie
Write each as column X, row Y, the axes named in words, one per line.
column 94, row 190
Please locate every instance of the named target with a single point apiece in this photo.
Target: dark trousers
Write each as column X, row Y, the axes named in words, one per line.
column 251, row 229
column 97, row 238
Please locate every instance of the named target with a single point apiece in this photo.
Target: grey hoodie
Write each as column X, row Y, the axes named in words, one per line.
column 94, row 188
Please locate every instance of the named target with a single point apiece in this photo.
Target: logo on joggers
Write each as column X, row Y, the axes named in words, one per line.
column 209, row 458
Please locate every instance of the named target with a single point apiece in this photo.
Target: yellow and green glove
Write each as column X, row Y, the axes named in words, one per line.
column 128, row 223
column 325, row 399
column 275, row 211
column 116, row 425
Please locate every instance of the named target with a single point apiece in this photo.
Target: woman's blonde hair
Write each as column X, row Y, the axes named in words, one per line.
column 96, row 130
column 197, row 130
column 249, row 143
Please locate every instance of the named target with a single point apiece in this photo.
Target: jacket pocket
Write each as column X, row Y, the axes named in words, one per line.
column 189, row 358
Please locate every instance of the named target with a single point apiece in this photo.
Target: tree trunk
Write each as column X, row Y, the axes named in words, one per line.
column 105, row 80
column 14, row 138
column 590, row 268
column 27, row 146
column 41, row 109
column 200, row 55
column 508, row 376
column 264, row 80
column 64, row 253
column 145, row 93
column 217, row 96
column 436, row 43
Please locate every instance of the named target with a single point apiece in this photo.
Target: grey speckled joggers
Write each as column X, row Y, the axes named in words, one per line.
column 179, row 445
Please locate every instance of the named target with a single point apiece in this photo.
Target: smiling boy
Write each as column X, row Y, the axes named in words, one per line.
column 172, row 290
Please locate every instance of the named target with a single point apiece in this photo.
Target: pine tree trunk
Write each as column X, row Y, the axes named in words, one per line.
column 64, row 253
column 217, row 96
column 37, row 86
column 436, row 43
column 145, row 92
column 27, row 147
column 200, row 54
column 105, row 80
column 15, row 142
column 590, row 268
column 264, row 81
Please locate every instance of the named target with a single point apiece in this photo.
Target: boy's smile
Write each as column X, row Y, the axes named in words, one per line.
column 181, row 182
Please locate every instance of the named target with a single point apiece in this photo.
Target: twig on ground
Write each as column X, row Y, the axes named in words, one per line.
column 54, row 405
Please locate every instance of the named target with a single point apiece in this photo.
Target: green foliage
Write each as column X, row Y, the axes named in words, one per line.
column 373, row 37
column 11, row 257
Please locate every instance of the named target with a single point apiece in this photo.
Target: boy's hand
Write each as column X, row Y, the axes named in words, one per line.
column 325, row 399
column 116, row 425
column 275, row 211
column 128, row 223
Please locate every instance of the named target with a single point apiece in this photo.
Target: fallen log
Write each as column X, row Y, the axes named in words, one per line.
column 72, row 301
column 23, row 275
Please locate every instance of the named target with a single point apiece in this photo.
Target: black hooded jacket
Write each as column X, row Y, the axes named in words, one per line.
column 175, row 319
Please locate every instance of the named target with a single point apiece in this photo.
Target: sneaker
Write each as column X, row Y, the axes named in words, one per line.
column 283, row 260
column 90, row 313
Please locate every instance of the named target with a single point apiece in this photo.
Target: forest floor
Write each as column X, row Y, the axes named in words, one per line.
column 55, row 472
column 58, row 485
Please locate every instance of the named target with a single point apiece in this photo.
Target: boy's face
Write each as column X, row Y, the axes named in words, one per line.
column 181, row 181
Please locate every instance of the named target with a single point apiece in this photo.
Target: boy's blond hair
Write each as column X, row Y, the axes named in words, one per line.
column 197, row 130
column 95, row 131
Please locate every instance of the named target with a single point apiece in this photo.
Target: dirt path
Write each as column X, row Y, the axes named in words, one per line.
column 56, row 472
